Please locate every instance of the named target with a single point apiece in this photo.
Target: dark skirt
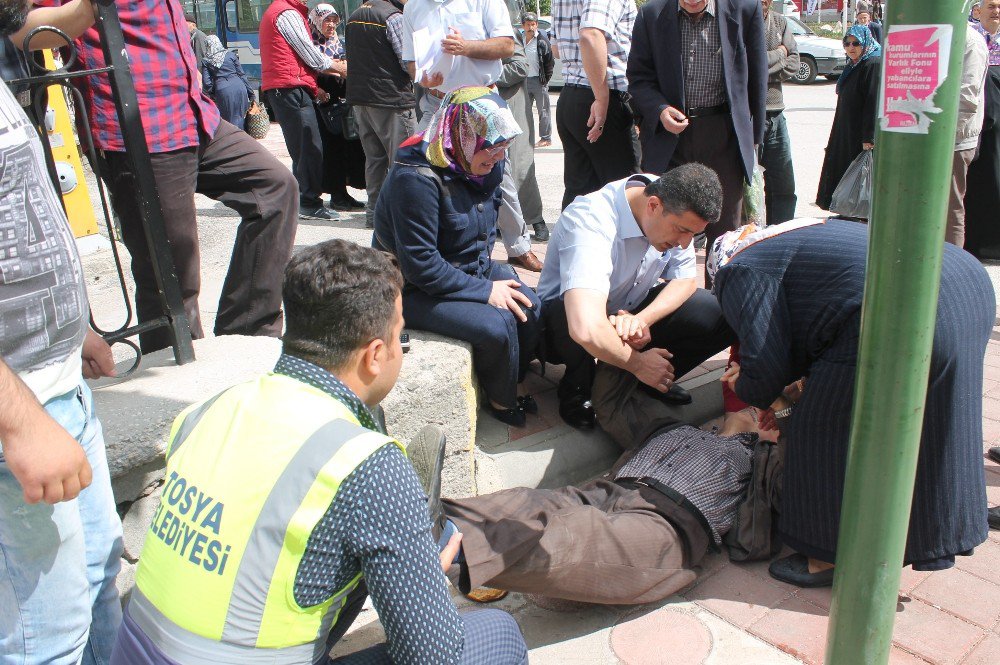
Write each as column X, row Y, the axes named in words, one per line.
column 502, row 347
column 949, row 505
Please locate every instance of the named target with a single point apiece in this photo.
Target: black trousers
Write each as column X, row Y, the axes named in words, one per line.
column 615, row 155
column 236, row 170
column 295, row 112
column 695, row 332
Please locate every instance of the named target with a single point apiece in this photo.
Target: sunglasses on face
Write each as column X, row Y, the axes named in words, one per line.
column 497, row 149
column 851, row 42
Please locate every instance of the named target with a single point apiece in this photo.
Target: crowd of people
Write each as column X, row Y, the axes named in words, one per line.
column 667, row 112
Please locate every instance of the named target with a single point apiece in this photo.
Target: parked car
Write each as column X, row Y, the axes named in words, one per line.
column 817, row 55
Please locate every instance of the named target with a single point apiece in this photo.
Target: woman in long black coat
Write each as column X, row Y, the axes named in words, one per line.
column 853, row 127
column 223, row 79
column 794, row 300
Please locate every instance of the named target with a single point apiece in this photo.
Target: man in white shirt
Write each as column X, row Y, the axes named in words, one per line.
column 454, row 43
column 602, row 293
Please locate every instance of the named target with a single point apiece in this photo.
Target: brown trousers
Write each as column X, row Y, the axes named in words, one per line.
column 954, row 231
column 600, row 543
column 239, row 172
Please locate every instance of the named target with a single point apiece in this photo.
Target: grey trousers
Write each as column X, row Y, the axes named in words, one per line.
column 510, row 219
column 538, row 95
column 381, row 130
column 954, row 230
column 600, row 543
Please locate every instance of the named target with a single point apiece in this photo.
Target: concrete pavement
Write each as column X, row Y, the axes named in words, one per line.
column 732, row 613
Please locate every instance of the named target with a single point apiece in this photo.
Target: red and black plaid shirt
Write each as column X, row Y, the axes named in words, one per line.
column 175, row 113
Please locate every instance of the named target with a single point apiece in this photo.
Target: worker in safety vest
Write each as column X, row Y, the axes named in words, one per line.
column 284, row 505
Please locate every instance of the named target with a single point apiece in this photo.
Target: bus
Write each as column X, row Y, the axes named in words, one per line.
column 236, row 22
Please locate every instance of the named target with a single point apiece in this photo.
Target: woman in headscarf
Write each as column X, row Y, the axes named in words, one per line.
column 793, row 293
column 437, row 214
column 854, row 121
column 343, row 157
column 223, row 79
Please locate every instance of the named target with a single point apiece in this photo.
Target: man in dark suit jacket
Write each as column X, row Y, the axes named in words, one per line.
column 707, row 105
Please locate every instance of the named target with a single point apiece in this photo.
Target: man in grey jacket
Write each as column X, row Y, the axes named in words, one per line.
column 776, row 149
column 970, row 124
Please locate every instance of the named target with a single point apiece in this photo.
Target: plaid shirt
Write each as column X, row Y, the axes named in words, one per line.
column 614, row 18
column 701, row 47
column 175, row 113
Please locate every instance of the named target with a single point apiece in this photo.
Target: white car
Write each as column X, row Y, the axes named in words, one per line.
column 818, row 56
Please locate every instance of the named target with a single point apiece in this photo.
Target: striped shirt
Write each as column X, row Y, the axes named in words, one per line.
column 701, row 46
column 711, row 471
column 394, row 28
column 291, row 26
column 614, row 18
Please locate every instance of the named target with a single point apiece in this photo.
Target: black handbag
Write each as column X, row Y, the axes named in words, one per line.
column 338, row 118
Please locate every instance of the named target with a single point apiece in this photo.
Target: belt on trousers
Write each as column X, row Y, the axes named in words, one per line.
column 677, row 498
column 703, row 111
column 434, row 92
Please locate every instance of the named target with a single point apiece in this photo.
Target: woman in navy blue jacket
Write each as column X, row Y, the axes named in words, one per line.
column 437, row 214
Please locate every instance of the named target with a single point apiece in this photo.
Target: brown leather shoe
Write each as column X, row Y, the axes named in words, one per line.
column 528, row 261
column 544, row 143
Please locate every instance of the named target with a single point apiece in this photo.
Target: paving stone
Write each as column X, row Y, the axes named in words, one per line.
column 934, row 634
column 899, row 657
column 796, row 627
column 580, row 638
column 985, row 563
column 962, row 594
column 730, row 645
column 909, row 579
column 987, row 653
column 663, row 637
column 737, row 595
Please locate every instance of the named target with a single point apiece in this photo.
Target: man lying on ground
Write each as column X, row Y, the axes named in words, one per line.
column 631, row 536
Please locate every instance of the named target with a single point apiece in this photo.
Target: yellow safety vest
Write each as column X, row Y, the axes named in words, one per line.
column 249, row 475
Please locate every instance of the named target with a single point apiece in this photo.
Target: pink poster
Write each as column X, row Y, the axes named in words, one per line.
column 914, row 66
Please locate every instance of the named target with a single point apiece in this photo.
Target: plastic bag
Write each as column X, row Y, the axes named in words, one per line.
column 853, row 196
column 754, row 211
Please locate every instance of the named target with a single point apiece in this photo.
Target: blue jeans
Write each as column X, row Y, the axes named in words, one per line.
column 779, row 177
column 58, row 601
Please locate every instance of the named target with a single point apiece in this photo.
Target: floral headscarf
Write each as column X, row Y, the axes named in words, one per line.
column 330, row 47
column 470, row 119
column 215, row 53
column 869, row 49
column 732, row 243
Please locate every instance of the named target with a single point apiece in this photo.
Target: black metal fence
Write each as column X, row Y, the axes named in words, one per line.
column 133, row 135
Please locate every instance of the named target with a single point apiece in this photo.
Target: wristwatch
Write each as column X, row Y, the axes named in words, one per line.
column 784, row 413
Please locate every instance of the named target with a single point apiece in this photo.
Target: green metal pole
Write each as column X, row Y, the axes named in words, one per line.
column 912, row 176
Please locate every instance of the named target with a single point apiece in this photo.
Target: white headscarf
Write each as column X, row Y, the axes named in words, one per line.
column 331, row 46
column 216, row 52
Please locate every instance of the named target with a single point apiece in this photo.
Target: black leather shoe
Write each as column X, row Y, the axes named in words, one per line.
column 541, row 231
column 426, row 453
column 513, row 417
column 994, row 453
column 528, row 404
column 994, row 518
column 675, row 396
column 578, row 412
column 794, row 569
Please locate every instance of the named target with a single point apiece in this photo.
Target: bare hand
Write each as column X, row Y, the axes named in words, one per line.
column 673, row 120
column 339, row 68
column 48, row 462
column 793, row 392
column 322, row 96
column 655, row 369
column 429, row 80
column 453, row 44
column 506, row 296
column 867, row 146
column 98, row 360
column 784, row 49
column 767, row 422
column 450, row 551
column 731, row 375
column 632, row 330
column 598, row 115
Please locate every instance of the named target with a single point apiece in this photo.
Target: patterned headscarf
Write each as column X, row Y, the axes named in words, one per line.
column 470, row 119
column 215, row 53
column 732, row 243
column 330, row 47
column 869, row 49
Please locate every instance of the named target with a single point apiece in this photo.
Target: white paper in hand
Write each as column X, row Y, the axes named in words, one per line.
column 428, row 56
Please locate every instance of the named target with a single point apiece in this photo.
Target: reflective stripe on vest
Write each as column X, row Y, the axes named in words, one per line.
column 250, row 473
